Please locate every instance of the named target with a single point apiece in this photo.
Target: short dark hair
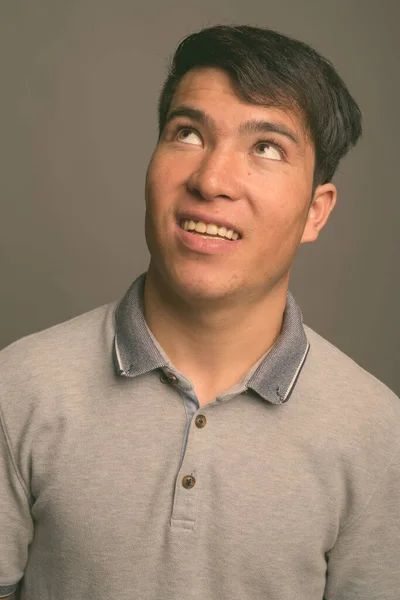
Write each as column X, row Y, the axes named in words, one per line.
column 272, row 69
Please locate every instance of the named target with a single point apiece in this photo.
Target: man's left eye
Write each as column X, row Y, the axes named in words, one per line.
column 267, row 150
column 188, row 136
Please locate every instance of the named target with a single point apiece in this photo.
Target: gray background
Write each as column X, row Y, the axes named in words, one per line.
column 79, row 86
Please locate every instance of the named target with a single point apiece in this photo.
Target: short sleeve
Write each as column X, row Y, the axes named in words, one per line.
column 364, row 563
column 16, row 524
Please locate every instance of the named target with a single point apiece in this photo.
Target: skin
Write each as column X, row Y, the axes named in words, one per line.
column 216, row 313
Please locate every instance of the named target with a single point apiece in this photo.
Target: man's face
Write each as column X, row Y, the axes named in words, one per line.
column 232, row 166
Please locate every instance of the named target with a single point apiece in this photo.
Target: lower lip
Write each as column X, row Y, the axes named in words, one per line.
column 202, row 245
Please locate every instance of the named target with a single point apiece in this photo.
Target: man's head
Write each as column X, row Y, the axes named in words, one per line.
column 252, row 127
column 271, row 69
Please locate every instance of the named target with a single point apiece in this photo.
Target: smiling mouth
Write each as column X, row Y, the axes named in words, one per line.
column 209, row 230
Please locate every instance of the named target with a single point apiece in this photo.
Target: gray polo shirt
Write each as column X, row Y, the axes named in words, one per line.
column 114, row 483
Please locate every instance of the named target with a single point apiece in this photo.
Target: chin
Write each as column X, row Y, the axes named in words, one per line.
column 194, row 286
column 195, row 282
column 203, row 291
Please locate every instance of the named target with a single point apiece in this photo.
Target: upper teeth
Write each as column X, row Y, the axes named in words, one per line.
column 209, row 229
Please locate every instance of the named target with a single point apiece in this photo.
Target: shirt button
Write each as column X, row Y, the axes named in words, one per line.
column 200, row 421
column 188, row 481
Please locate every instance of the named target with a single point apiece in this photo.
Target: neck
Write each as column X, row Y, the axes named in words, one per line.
column 212, row 343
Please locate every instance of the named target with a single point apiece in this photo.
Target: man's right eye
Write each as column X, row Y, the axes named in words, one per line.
column 188, row 136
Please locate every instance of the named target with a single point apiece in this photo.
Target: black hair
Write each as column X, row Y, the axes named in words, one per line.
column 272, row 69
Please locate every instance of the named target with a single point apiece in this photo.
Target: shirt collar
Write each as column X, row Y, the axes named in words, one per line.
column 136, row 352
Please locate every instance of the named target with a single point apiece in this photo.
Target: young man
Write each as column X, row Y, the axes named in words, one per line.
column 196, row 440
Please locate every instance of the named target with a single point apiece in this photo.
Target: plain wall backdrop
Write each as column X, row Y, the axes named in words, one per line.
column 79, row 87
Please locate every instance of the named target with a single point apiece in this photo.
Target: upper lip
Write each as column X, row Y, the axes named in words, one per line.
column 197, row 216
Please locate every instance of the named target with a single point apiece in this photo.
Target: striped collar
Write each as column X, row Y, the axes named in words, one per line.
column 136, row 351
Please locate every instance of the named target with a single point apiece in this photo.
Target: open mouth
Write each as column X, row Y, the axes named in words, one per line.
column 209, row 230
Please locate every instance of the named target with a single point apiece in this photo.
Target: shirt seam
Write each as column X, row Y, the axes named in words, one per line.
column 369, row 501
column 186, row 432
column 13, row 461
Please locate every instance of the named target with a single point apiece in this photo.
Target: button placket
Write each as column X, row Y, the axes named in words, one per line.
column 188, row 487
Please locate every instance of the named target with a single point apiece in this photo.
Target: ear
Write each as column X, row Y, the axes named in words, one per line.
column 323, row 203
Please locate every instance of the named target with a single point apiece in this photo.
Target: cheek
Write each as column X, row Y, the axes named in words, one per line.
column 160, row 197
column 280, row 201
column 280, row 213
column 152, row 179
column 162, row 179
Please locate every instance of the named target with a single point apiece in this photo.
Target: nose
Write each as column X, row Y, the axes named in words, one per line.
column 216, row 176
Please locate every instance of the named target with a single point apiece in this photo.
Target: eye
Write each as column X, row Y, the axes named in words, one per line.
column 268, row 150
column 188, row 136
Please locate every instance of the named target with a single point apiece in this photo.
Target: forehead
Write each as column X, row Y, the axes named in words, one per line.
column 213, row 91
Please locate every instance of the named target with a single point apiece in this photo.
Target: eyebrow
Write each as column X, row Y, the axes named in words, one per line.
column 261, row 126
column 192, row 113
column 246, row 128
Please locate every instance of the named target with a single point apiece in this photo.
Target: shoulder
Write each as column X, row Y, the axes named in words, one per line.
column 44, row 376
column 60, row 344
column 355, row 419
column 345, row 386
